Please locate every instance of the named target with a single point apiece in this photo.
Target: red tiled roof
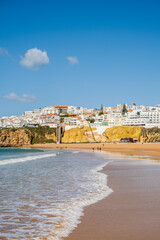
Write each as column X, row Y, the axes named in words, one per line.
column 106, row 112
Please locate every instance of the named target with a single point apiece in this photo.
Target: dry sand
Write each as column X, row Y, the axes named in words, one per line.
column 132, row 211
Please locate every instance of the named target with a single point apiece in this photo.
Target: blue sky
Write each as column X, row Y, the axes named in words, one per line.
column 82, row 53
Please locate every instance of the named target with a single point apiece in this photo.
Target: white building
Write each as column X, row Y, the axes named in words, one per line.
column 28, row 114
column 114, row 119
column 150, row 118
column 74, row 110
column 49, row 110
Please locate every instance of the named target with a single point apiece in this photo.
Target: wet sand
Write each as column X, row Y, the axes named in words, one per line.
column 131, row 149
column 132, row 211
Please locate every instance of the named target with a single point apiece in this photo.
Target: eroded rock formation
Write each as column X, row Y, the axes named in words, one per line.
column 14, row 137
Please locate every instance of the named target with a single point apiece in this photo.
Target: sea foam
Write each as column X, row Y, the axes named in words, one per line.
column 73, row 211
column 47, row 200
column 25, row 159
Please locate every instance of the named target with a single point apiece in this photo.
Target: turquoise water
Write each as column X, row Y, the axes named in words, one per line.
column 15, row 152
column 43, row 192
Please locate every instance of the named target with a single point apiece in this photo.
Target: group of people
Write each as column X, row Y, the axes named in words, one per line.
column 98, row 149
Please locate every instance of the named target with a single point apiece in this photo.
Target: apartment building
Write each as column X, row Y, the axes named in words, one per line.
column 149, row 118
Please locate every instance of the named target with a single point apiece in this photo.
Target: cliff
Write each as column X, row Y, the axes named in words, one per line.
column 14, row 138
column 150, row 135
column 43, row 134
column 25, row 136
column 116, row 133
column 111, row 134
column 74, row 135
column 85, row 134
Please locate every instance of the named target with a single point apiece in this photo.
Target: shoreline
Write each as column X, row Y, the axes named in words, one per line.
column 151, row 150
column 131, row 211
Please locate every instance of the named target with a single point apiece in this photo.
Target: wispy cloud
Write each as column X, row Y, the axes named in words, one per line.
column 34, row 58
column 23, row 98
column 72, row 60
column 4, row 52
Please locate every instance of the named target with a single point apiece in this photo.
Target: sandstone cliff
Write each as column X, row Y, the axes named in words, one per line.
column 14, row 138
column 116, row 133
column 150, row 135
column 74, row 135
column 85, row 134
column 25, row 136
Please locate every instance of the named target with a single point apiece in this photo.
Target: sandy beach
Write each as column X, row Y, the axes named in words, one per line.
column 131, row 149
column 132, row 210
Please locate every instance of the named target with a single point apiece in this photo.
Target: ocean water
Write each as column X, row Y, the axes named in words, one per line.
column 43, row 192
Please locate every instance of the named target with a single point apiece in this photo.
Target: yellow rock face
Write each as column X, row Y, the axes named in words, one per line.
column 111, row 134
column 83, row 135
column 74, row 135
column 116, row 133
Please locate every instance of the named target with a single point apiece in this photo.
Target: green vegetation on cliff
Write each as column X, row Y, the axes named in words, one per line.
column 27, row 135
column 41, row 134
column 41, row 131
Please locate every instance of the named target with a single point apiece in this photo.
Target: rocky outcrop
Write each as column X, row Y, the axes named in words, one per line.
column 14, row 137
column 112, row 134
column 116, row 133
column 26, row 136
column 85, row 134
column 150, row 135
column 74, row 135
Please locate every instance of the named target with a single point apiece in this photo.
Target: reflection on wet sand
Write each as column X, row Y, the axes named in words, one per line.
column 138, row 155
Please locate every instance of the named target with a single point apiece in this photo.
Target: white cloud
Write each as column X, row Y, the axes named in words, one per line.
column 4, row 52
column 73, row 60
column 23, row 98
column 33, row 58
